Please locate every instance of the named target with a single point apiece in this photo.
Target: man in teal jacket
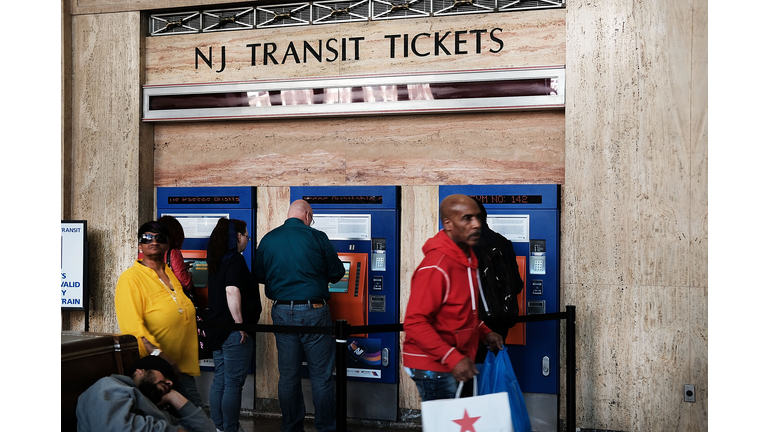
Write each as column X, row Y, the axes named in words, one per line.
column 296, row 262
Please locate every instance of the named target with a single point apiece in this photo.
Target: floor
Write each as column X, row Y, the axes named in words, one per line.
column 271, row 423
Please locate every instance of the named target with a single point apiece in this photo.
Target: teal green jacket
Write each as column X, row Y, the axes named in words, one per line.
column 296, row 262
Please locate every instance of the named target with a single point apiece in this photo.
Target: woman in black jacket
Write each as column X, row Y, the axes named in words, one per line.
column 233, row 297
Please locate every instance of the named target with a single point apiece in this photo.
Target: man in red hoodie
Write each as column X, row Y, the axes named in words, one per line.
column 441, row 324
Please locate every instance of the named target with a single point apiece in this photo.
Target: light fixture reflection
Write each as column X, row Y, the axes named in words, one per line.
column 259, row 98
column 337, row 95
column 420, row 92
column 297, row 97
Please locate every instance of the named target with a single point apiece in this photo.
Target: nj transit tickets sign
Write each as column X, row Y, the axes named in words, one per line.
column 74, row 257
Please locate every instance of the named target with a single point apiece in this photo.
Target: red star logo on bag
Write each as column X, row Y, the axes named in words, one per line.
column 467, row 423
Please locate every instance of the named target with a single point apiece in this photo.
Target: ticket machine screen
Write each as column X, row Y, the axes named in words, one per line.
column 341, row 286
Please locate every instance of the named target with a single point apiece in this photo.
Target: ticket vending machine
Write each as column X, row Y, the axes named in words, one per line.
column 363, row 224
column 529, row 216
column 198, row 209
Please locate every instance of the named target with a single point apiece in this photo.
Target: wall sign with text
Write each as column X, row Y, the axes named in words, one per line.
column 436, row 44
column 74, row 265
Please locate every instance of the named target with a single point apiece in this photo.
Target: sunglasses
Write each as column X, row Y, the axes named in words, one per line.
column 147, row 238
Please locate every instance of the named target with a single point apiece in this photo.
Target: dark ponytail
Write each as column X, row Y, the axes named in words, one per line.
column 223, row 238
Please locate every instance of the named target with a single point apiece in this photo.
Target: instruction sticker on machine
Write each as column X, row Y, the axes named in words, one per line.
column 515, row 228
column 344, row 226
column 197, row 225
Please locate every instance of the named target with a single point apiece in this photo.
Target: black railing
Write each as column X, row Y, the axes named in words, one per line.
column 342, row 330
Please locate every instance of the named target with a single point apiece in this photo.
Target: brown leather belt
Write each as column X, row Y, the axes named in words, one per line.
column 315, row 303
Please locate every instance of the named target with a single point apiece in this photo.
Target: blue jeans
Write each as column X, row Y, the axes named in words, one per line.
column 434, row 385
column 230, row 369
column 320, row 355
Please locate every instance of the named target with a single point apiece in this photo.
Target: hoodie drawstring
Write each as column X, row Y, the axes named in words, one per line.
column 471, row 287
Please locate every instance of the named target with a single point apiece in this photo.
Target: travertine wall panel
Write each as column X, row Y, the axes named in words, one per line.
column 664, row 142
column 272, row 208
column 642, row 160
column 606, row 338
column 112, row 152
column 699, row 269
column 634, row 202
column 419, row 222
column 517, row 147
column 696, row 415
column 533, row 38
column 278, row 153
column 637, row 347
column 490, row 148
column 662, row 361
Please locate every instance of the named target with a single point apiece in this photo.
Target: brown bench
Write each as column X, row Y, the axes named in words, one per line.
column 85, row 358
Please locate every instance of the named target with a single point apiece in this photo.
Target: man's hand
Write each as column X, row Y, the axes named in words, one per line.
column 494, row 341
column 464, row 370
column 174, row 399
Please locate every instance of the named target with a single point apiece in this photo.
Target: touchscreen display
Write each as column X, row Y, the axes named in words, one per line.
column 199, row 271
column 341, row 286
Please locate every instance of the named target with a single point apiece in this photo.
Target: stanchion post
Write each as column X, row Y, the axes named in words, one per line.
column 342, row 330
column 570, row 366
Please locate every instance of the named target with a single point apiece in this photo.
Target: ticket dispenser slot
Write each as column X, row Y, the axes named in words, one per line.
column 349, row 296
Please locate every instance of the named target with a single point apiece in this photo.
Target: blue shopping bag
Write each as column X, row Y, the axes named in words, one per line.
column 497, row 376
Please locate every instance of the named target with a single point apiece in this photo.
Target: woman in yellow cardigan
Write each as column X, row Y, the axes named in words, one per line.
column 151, row 305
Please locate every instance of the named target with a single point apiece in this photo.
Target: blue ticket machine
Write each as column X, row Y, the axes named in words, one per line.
column 363, row 224
column 529, row 216
column 199, row 209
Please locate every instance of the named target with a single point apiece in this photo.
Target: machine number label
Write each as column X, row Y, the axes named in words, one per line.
column 508, row 199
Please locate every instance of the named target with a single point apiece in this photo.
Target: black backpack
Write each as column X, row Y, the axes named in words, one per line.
column 500, row 286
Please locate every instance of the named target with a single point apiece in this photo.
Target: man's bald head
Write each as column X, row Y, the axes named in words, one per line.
column 451, row 204
column 459, row 214
column 301, row 209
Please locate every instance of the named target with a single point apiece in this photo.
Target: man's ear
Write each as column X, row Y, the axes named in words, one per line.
column 447, row 224
column 137, row 375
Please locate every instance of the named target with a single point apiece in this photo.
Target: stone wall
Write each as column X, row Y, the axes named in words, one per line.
column 634, row 215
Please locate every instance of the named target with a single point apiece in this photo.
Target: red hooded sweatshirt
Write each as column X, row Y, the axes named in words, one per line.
column 441, row 323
